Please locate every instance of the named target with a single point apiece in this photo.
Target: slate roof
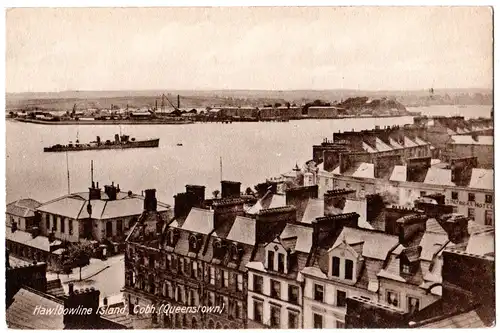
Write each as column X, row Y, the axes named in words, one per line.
column 303, row 236
column 74, row 206
column 243, row 231
column 482, row 243
column 313, row 209
column 21, row 312
column 376, row 244
column 22, row 207
column 23, row 237
column 468, row 140
column 482, row 179
column 437, row 176
column 199, row 220
column 365, row 170
column 269, row 200
column 469, row 319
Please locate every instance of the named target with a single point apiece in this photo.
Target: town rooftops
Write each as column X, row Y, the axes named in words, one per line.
column 482, row 179
column 470, row 140
column 21, row 313
column 74, row 206
column 243, row 231
column 23, row 237
column 23, row 207
column 269, row 200
column 469, row 319
column 376, row 245
column 199, row 220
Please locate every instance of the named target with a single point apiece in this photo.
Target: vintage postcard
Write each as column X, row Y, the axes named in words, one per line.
column 249, row 167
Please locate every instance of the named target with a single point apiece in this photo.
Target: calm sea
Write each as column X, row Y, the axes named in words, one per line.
column 250, row 152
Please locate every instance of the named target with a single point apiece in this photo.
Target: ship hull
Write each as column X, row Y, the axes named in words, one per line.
column 129, row 145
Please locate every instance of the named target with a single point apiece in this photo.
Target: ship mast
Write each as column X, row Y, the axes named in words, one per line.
column 67, row 170
column 221, row 168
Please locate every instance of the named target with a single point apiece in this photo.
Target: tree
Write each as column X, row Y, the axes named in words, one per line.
column 78, row 255
column 215, row 193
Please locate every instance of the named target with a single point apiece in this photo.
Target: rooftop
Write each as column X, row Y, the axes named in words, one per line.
column 22, row 207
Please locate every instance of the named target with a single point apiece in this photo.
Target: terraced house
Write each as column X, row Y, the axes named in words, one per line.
column 198, row 259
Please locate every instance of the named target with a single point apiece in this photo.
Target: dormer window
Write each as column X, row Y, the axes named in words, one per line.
column 172, row 237
column 270, row 260
column 281, row 262
column 405, row 268
column 349, row 269
column 236, row 252
column 336, row 266
column 194, row 243
column 219, row 249
column 409, row 260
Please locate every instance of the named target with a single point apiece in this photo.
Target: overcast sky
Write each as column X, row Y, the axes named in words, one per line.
column 248, row 48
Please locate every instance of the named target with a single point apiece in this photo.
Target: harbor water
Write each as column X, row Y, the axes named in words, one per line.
column 250, row 153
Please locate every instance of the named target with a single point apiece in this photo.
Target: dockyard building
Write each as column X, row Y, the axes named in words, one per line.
column 98, row 215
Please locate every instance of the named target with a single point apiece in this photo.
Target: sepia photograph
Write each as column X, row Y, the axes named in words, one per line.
column 292, row 167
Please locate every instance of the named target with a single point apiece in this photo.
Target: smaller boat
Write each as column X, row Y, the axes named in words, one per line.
column 120, row 142
column 179, row 144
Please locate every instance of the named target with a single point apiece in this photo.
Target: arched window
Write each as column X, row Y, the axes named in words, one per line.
column 219, row 326
column 166, row 321
column 211, row 324
column 194, row 324
column 184, row 321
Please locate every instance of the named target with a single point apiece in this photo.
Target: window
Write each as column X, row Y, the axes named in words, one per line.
column 454, row 195
column 362, row 187
column 211, row 299
column 318, row 321
column 341, row 298
column 186, row 266
column 70, row 227
column 237, row 309
column 225, row 281
column 270, row 260
column 413, row 304
column 212, row 276
column 471, row 213
column 488, row 198
column 335, row 266
column 422, row 193
column 318, row 292
column 257, row 311
column 339, row 324
column 194, row 269
column 240, row 282
column 347, row 185
column 454, row 209
column 109, row 229
column 63, row 224
column 47, row 222
column 192, row 297
column 168, row 261
column 293, row 319
column 119, row 227
column 472, row 197
column 181, row 265
column 257, row 283
column 154, row 317
column 405, row 268
column 275, row 316
column 275, row 289
column 293, row 294
column 281, row 262
column 488, row 217
column 392, row 298
column 151, row 261
column 349, row 268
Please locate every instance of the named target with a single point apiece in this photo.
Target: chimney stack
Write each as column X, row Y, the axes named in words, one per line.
column 328, row 227
column 230, row 189
column 334, row 200
column 150, row 202
column 351, row 159
column 84, row 303
column 461, row 170
column 410, row 225
column 384, row 165
column 183, row 202
column 110, row 191
column 268, row 220
column 94, row 192
column 226, row 210
column 35, row 232
column 416, row 168
column 456, row 226
column 299, row 197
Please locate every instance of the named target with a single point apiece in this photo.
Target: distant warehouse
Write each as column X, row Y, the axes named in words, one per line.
column 325, row 111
